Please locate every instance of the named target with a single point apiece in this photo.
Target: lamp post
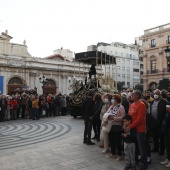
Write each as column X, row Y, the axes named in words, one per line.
column 43, row 80
column 167, row 51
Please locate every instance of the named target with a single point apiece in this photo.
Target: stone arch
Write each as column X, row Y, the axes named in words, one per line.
column 14, row 83
column 50, row 87
column 153, row 57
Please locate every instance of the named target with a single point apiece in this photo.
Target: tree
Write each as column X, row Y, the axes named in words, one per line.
column 164, row 84
column 139, row 87
column 120, row 85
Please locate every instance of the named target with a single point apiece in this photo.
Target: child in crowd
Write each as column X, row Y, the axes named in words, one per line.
column 129, row 143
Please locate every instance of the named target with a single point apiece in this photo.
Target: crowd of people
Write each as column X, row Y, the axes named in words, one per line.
column 130, row 122
column 31, row 106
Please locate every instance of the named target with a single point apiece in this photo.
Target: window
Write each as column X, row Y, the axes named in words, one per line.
column 135, row 70
column 115, row 52
column 131, row 56
column 153, row 65
column 123, row 61
column 136, row 63
column 128, row 75
column 127, row 55
column 118, row 75
column 123, row 75
column 123, row 68
column 118, row 67
column 128, row 61
column 141, row 66
column 153, row 43
column 169, row 39
column 128, row 69
column 141, row 58
column 118, row 60
column 128, row 83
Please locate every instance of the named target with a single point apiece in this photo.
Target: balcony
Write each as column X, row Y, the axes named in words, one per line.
column 166, row 70
column 167, row 42
column 152, row 71
column 152, row 45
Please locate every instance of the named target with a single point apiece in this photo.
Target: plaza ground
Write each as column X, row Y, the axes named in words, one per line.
column 54, row 143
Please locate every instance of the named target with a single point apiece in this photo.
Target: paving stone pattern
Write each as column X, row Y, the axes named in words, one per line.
column 53, row 144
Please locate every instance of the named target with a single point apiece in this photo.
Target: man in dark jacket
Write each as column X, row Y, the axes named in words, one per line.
column 88, row 111
column 158, row 111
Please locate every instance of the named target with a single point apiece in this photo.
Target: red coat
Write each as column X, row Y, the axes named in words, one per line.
column 13, row 104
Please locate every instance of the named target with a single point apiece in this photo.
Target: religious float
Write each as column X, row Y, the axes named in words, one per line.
column 99, row 83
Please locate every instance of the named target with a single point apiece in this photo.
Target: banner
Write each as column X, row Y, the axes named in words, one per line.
column 1, row 84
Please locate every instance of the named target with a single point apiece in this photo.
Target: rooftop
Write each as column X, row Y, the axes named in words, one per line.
column 156, row 29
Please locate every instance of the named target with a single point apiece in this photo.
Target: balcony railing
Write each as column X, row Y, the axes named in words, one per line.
column 152, row 71
column 167, row 42
column 166, row 70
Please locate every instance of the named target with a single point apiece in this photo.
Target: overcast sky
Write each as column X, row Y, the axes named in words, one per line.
column 47, row 25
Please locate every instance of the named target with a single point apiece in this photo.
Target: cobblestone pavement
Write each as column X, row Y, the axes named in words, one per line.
column 53, row 144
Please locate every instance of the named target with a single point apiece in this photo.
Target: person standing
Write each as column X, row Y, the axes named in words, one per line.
column 138, row 112
column 117, row 113
column 96, row 116
column 106, row 106
column 129, row 143
column 158, row 111
column 88, row 110
column 167, row 137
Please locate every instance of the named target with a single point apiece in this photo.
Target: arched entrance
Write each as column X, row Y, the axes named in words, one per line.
column 153, row 85
column 49, row 87
column 13, row 84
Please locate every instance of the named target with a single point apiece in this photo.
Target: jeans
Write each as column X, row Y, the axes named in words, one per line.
column 58, row 110
column 115, row 141
column 87, row 129
column 141, row 140
column 35, row 113
column 167, row 144
column 96, row 128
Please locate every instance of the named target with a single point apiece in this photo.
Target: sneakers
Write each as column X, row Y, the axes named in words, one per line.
column 105, row 151
column 110, row 156
column 165, row 162
column 168, row 165
column 119, row 158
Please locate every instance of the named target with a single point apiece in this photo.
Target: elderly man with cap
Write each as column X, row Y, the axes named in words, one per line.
column 167, row 136
column 88, row 111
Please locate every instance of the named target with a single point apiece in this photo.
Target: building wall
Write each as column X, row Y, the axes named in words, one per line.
column 30, row 69
column 66, row 53
column 155, row 53
column 127, row 60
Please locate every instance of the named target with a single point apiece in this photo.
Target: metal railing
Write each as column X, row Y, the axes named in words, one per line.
column 152, row 71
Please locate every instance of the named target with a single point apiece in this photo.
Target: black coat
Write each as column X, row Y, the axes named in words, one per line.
column 161, row 109
column 97, row 110
column 88, row 108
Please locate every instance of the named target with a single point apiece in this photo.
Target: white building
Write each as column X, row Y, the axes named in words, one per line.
column 127, row 68
column 66, row 53
column 17, row 66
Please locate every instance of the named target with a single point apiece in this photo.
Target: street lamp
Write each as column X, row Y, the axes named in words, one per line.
column 167, row 51
column 43, row 80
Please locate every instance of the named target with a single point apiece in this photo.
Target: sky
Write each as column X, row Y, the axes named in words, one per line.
column 47, row 25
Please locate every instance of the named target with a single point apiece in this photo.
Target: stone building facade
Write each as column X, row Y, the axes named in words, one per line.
column 154, row 42
column 18, row 66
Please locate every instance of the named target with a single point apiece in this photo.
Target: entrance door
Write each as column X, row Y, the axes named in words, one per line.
column 49, row 87
column 14, row 84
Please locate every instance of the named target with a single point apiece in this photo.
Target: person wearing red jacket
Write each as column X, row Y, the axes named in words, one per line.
column 13, row 108
column 137, row 111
